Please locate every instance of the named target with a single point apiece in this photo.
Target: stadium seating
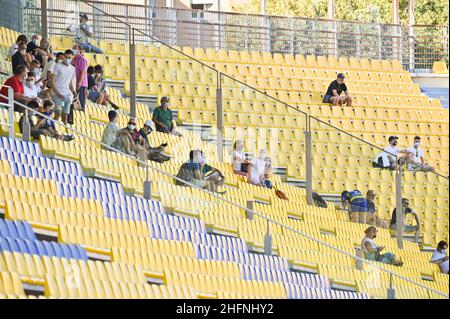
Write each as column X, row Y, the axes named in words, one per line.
column 168, row 239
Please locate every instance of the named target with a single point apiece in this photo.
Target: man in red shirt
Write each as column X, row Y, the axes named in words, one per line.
column 16, row 82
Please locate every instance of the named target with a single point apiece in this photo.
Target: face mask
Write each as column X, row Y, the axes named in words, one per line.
column 416, row 144
column 67, row 61
column 36, row 41
column 75, row 52
column 262, row 156
column 131, row 127
column 30, row 84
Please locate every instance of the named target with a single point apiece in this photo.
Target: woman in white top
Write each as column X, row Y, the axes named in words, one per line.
column 372, row 251
column 240, row 165
column 440, row 257
column 258, row 169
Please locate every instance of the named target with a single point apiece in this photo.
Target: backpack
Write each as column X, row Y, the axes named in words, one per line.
column 319, row 201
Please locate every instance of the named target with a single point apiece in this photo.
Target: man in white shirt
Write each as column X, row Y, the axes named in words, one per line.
column 258, row 169
column 417, row 160
column 440, row 257
column 15, row 47
column 30, row 89
column 388, row 158
column 64, row 86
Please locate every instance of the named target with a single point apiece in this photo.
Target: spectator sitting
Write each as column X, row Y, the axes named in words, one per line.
column 15, row 47
column 39, row 49
column 154, row 153
column 257, row 173
column 21, row 57
column 49, row 125
column 406, row 228
column 81, row 65
column 36, row 125
column 163, row 117
column 82, row 34
column 16, row 82
column 388, row 158
column 356, row 204
column 372, row 251
column 109, row 136
column 97, row 87
column 63, row 86
column 30, row 89
column 333, row 95
column 372, row 217
column 211, row 174
column 417, row 161
column 440, row 257
column 129, row 141
column 35, row 67
column 191, row 172
column 240, row 165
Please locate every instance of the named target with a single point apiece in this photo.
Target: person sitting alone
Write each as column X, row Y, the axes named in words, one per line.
column 406, row 228
column 154, row 153
column 240, row 165
column 440, row 257
column 372, row 251
column 109, row 136
column 163, row 118
column 356, row 205
column 333, row 95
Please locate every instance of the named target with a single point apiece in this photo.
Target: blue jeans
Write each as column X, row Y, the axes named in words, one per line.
column 87, row 47
column 82, row 98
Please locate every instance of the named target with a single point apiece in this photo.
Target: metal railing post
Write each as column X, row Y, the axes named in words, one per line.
column 219, row 116
column 147, row 185
column 249, row 212
column 359, row 263
column 399, row 206
column 26, row 127
column 11, row 112
column 44, row 19
column 309, row 174
column 268, row 242
column 132, row 73
column 391, row 290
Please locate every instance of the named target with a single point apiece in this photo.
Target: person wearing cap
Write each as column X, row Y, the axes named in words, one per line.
column 333, row 95
column 388, row 158
column 372, row 251
column 163, row 117
column 129, row 141
column 406, row 228
column 153, row 153
column 82, row 34
column 417, row 161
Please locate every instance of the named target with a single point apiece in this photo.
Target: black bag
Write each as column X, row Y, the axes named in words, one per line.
column 70, row 116
column 319, row 201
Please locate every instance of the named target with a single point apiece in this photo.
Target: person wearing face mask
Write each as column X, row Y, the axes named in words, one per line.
column 258, row 169
column 417, row 160
column 48, row 73
column 372, row 251
column 163, row 118
column 388, row 158
column 191, row 172
column 154, row 153
column 81, row 65
column 130, row 141
column 335, row 89
column 63, row 86
column 21, row 57
column 36, row 124
column 31, row 90
column 440, row 257
column 16, row 82
column 406, row 228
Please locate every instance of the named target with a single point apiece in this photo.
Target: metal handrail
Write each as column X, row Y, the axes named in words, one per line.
column 255, row 213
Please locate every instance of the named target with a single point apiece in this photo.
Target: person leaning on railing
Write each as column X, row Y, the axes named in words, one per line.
column 373, row 252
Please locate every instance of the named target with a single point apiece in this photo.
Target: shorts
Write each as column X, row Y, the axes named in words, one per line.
column 62, row 105
column 93, row 95
column 326, row 99
column 419, row 167
column 37, row 133
column 199, row 183
column 406, row 228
